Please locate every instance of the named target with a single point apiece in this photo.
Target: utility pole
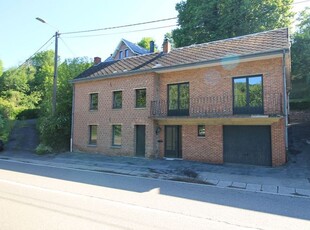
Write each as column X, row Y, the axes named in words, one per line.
column 54, row 99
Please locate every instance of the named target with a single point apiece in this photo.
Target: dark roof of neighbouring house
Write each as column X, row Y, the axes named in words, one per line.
column 135, row 48
column 253, row 44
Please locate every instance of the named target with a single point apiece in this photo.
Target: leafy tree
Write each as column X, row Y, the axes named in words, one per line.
column 55, row 129
column 145, row 43
column 205, row 21
column 301, row 57
column 1, row 67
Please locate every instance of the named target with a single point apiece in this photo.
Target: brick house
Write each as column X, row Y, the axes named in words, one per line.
column 217, row 102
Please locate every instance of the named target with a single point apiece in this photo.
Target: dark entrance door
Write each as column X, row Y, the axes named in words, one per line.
column 247, row 145
column 173, row 141
column 140, row 140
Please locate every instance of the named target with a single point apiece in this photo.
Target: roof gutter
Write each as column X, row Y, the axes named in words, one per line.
column 229, row 60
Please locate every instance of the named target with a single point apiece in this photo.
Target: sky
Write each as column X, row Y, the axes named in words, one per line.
column 22, row 35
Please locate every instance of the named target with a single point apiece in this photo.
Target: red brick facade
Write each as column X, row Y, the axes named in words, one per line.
column 213, row 80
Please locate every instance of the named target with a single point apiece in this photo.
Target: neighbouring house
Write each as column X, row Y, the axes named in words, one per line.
column 126, row 49
column 218, row 102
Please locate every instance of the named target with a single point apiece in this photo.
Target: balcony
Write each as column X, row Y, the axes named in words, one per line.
column 219, row 107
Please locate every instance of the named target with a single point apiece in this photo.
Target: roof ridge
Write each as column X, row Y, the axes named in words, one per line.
column 233, row 38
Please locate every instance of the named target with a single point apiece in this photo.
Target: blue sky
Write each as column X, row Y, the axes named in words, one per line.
column 22, row 34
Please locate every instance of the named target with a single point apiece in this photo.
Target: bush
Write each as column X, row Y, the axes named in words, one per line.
column 55, row 131
column 300, row 105
column 43, row 149
column 28, row 114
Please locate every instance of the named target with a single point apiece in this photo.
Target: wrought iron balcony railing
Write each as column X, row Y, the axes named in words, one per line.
column 219, row 106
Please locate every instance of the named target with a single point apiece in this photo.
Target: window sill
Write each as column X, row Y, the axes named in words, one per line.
column 142, row 108
column 116, row 108
column 93, row 110
column 92, row 145
column 116, row 147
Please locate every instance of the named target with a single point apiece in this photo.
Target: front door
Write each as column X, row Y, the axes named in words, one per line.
column 173, row 141
column 140, row 140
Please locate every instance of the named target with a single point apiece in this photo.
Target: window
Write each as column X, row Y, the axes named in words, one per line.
column 117, row 135
column 93, row 101
column 140, row 98
column 117, row 99
column 120, row 55
column 201, row 130
column 93, row 134
column 178, row 99
column 126, row 53
column 248, row 95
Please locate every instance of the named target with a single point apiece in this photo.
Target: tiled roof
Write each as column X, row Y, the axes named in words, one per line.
column 239, row 46
column 135, row 48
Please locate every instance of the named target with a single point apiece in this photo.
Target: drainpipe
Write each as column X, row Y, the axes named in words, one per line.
column 72, row 119
column 285, row 101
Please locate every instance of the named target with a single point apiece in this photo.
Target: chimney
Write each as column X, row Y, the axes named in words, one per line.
column 152, row 46
column 166, row 46
column 97, row 60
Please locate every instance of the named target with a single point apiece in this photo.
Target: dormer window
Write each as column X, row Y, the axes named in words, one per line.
column 126, row 53
column 120, row 55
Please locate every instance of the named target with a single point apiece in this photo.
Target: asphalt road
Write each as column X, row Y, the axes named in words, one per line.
column 41, row 197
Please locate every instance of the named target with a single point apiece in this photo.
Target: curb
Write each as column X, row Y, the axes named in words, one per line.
column 241, row 186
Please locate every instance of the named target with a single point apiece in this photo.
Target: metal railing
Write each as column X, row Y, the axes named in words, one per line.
column 219, row 106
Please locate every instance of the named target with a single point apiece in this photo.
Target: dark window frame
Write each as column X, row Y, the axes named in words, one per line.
column 247, row 109
column 126, row 53
column 93, row 106
column 113, row 135
column 115, row 104
column 199, row 132
column 179, row 111
column 137, row 99
column 91, row 139
column 120, row 54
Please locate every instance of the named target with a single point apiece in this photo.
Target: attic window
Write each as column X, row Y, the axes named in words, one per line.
column 126, row 53
column 120, row 55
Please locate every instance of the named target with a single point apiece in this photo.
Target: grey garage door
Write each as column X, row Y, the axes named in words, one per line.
column 247, row 145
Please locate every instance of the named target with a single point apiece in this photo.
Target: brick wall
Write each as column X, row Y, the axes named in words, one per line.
column 205, row 149
column 105, row 116
column 278, row 143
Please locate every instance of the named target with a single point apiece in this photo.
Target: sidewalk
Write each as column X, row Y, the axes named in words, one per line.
column 292, row 179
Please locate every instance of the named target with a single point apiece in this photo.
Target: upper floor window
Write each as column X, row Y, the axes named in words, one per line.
column 116, row 135
column 93, row 134
column 93, row 101
column 178, row 99
column 120, row 55
column 248, row 95
column 140, row 98
column 117, row 99
column 126, row 53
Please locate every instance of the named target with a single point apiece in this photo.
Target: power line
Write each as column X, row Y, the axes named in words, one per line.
column 117, row 27
column 132, row 31
column 15, row 71
column 67, row 46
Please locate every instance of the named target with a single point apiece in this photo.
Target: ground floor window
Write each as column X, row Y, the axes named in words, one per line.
column 201, row 130
column 93, row 134
column 116, row 135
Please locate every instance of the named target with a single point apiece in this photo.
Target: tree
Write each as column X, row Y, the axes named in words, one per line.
column 145, row 43
column 301, row 57
column 205, row 21
column 55, row 129
column 1, row 67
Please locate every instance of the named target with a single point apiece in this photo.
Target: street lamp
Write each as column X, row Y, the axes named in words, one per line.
column 55, row 65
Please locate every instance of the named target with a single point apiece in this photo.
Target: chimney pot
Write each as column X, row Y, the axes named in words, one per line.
column 152, row 46
column 166, row 46
column 97, row 60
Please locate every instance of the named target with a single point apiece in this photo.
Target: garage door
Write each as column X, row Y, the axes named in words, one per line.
column 247, row 145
